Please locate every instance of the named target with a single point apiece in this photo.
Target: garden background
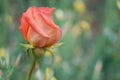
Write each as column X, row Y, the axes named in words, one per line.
column 91, row 40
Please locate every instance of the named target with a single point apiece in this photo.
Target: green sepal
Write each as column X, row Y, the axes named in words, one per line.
column 28, row 52
column 28, row 46
column 57, row 45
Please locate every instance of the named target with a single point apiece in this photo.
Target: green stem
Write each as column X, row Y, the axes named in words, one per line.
column 32, row 68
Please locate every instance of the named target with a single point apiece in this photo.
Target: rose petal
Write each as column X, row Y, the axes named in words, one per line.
column 31, row 21
column 35, row 39
column 24, row 27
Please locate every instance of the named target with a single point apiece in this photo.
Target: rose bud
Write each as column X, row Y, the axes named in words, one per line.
column 38, row 28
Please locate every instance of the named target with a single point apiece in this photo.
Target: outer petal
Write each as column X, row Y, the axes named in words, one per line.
column 35, row 39
column 30, row 18
column 46, row 15
column 55, row 32
column 24, row 27
column 47, row 12
column 48, row 30
column 55, row 36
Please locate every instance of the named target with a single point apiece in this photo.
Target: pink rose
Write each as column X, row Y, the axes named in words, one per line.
column 38, row 28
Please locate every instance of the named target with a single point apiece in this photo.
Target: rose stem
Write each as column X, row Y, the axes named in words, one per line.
column 32, row 68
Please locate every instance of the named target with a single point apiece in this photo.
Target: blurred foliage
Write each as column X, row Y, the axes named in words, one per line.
column 91, row 41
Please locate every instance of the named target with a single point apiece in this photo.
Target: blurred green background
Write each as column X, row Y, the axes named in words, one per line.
column 91, row 41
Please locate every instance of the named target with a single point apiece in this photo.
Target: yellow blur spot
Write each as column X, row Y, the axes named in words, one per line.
column 79, row 6
column 76, row 30
column 48, row 53
column 59, row 14
column 80, row 27
column 47, row 74
column 8, row 19
column 85, row 25
column 118, row 4
column 53, row 78
column 57, row 59
column 2, row 53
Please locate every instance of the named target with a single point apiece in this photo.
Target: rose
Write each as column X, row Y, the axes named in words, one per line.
column 38, row 28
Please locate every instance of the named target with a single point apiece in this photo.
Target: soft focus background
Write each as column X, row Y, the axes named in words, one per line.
column 91, row 41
